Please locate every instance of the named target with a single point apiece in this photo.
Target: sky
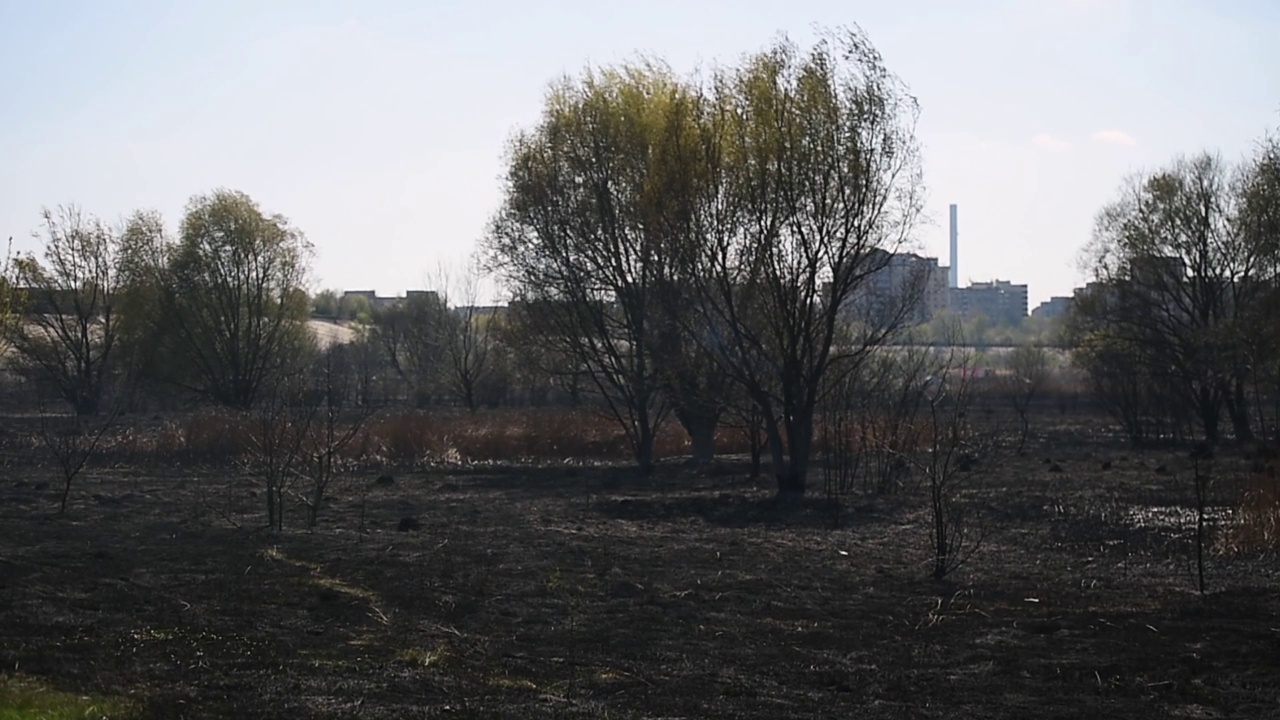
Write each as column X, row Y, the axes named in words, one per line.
column 379, row 127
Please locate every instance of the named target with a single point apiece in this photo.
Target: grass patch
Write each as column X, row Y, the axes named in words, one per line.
column 511, row 683
column 24, row 698
column 423, row 658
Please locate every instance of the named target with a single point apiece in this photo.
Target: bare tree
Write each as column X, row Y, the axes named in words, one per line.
column 541, row 370
column 278, row 428
column 412, row 333
column 1117, row 377
column 870, row 421
column 13, row 301
column 369, row 363
column 843, row 457
column 1180, row 274
column 469, row 333
column 891, row 395
column 1259, row 223
column 953, row 447
column 71, row 440
column 812, row 184
column 70, row 327
column 1026, row 373
column 338, row 419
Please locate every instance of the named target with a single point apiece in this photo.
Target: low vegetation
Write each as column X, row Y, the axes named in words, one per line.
column 546, row 590
column 601, row 500
column 26, row 698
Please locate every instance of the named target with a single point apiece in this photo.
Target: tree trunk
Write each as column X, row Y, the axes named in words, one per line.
column 86, row 405
column 755, row 442
column 644, row 444
column 66, row 493
column 469, row 395
column 701, row 425
column 777, row 452
column 313, row 508
column 702, row 436
column 271, row 505
column 941, row 542
column 279, row 507
column 1210, row 415
column 1238, row 409
column 800, row 443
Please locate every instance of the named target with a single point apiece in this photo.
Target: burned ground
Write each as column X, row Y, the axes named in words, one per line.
column 591, row 592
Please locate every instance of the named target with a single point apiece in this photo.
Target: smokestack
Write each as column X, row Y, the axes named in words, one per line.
column 954, row 270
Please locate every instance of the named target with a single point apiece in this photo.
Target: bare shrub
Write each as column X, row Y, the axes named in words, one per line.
column 894, row 393
column 212, row 437
column 336, row 425
column 955, row 445
column 871, row 420
column 1026, row 373
column 278, row 428
column 71, row 440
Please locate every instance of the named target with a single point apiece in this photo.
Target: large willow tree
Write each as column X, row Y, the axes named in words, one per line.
column 232, row 298
column 813, row 181
column 675, row 239
column 583, row 238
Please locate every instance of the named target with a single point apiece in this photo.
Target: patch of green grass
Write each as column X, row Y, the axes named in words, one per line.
column 24, row 698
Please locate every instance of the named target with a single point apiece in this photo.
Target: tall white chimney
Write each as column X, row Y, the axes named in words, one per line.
column 954, row 270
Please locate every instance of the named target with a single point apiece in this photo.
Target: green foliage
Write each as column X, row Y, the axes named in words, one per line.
column 326, row 304
column 69, row 330
column 591, row 226
column 1185, row 258
column 412, row 334
column 980, row 331
column 12, row 300
column 24, row 698
column 142, row 357
column 817, row 181
column 668, row 239
column 234, row 294
column 355, row 307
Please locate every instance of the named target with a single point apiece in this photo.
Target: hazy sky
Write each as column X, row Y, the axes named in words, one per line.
column 379, row 127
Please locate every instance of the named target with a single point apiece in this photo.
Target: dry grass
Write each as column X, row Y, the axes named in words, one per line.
column 417, row 438
column 204, row 436
column 454, row 437
column 509, row 435
column 413, row 438
column 1256, row 525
